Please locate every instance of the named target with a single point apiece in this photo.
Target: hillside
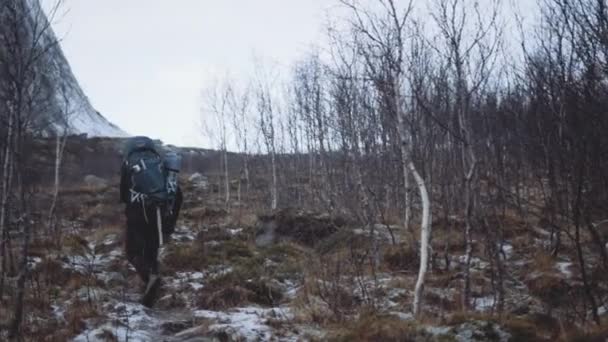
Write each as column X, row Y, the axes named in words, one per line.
column 59, row 101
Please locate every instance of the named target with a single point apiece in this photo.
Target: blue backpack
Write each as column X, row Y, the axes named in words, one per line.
column 146, row 173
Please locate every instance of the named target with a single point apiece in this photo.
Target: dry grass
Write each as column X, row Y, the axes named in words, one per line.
column 327, row 293
column 238, row 288
column 206, row 215
column 184, row 258
column 317, row 252
column 593, row 334
column 543, row 262
column 77, row 314
column 371, row 327
column 531, row 328
column 401, row 257
column 451, row 238
column 51, row 272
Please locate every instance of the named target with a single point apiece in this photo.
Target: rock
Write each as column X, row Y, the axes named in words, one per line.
column 95, row 182
column 199, row 180
column 266, row 234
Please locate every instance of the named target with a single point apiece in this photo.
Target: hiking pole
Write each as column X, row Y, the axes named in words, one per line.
column 159, row 224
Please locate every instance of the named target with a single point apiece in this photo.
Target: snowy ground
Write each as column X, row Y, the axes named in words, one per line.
column 100, row 278
column 127, row 320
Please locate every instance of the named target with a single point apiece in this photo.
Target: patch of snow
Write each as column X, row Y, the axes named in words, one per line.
column 110, row 239
column 247, row 323
column 475, row 262
column 507, row 249
column 290, row 289
column 437, row 331
column 126, row 322
column 189, row 275
column 196, row 286
column 234, row 232
column 183, row 234
column 32, row 262
column 563, row 267
column 58, row 312
column 191, row 279
column 220, row 271
column 197, row 275
column 115, row 254
column 120, row 333
column 91, row 263
column 404, row 316
column 473, row 331
column 212, row 243
column 484, row 303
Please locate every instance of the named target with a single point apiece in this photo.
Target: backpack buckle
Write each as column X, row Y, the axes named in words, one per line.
column 136, row 196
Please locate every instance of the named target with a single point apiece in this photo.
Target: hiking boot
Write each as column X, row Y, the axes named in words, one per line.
column 151, row 290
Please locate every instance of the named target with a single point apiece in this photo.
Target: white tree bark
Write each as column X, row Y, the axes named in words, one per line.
column 425, row 235
column 60, row 143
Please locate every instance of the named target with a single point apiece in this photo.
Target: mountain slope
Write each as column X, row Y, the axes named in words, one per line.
column 60, row 101
column 84, row 119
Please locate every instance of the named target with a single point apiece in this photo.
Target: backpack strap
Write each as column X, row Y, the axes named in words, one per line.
column 159, row 225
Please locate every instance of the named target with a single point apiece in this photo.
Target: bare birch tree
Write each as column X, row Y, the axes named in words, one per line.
column 26, row 41
column 216, row 119
column 384, row 52
column 469, row 49
column 240, row 103
column 266, row 108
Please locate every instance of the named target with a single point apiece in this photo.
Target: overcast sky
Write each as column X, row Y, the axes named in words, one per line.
column 144, row 63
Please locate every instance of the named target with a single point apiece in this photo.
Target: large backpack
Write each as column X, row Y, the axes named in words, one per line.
column 146, row 173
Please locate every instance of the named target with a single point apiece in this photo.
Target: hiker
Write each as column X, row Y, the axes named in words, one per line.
column 153, row 198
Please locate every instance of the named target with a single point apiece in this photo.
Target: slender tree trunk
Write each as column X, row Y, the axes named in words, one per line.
column 23, row 274
column 407, row 220
column 246, row 167
column 425, row 235
column 226, row 178
column 60, row 143
column 467, row 234
column 273, row 190
column 425, row 225
column 7, row 167
column 238, row 190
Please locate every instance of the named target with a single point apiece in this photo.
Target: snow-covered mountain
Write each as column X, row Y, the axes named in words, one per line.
column 68, row 102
